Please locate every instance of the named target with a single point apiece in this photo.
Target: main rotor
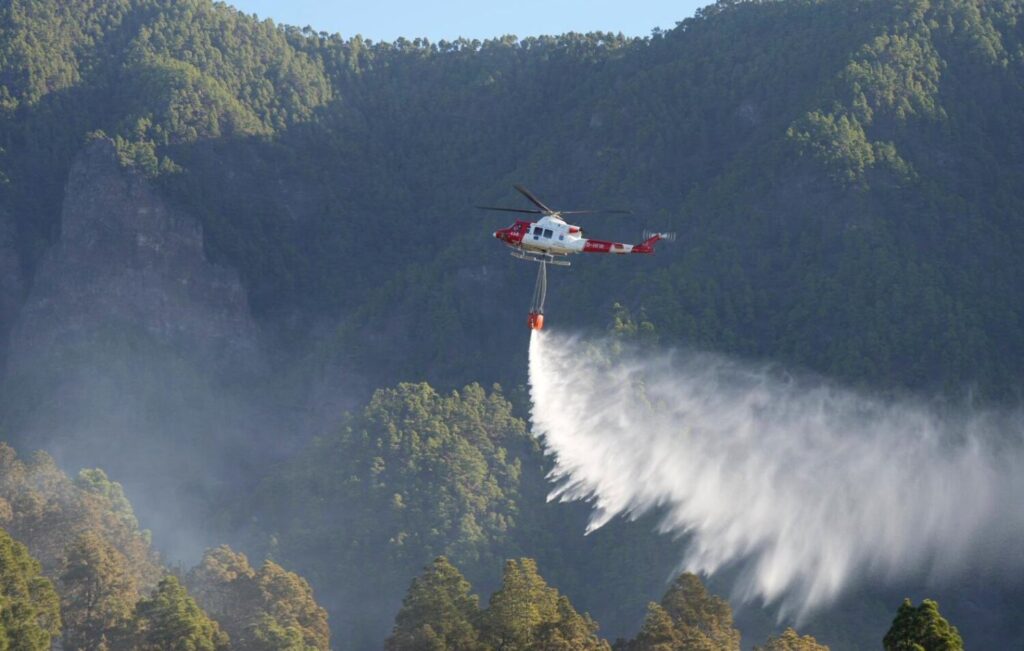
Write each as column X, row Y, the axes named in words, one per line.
column 543, row 209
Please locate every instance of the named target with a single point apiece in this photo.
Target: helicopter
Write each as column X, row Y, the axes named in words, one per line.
column 550, row 240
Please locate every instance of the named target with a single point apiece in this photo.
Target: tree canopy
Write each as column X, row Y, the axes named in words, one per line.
column 921, row 629
column 415, row 474
column 845, row 179
column 525, row 613
column 689, row 618
column 170, row 620
column 258, row 608
column 98, row 593
column 790, row 640
column 438, row 612
column 832, row 167
column 56, row 516
column 29, row 606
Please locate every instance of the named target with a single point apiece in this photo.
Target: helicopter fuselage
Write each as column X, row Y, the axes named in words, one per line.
column 551, row 235
column 550, row 240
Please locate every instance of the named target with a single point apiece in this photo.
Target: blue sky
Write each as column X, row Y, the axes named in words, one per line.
column 386, row 20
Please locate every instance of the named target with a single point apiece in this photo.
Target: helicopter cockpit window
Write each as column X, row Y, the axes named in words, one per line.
column 537, row 230
column 547, row 232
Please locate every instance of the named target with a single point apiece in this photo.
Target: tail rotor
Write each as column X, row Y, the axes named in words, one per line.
column 665, row 237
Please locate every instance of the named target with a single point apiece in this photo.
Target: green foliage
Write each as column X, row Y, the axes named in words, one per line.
column 54, row 516
column 266, row 609
column 526, row 613
column 790, row 640
column 437, row 613
column 520, row 608
column 266, row 634
column 840, row 144
column 191, row 105
column 88, row 538
column 921, row 629
column 416, row 474
column 224, row 585
column 890, row 80
column 95, row 482
column 625, row 327
column 251, row 61
column 689, row 618
column 97, row 594
column 302, row 152
column 29, row 607
column 288, row 599
column 430, row 468
column 700, row 615
column 152, row 73
column 896, row 76
column 658, row 632
column 170, row 620
column 335, row 175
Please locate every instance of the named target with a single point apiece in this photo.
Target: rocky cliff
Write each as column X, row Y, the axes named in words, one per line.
column 11, row 286
column 126, row 260
column 132, row 351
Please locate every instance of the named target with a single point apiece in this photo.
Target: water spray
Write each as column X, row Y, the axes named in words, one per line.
column 807, row 487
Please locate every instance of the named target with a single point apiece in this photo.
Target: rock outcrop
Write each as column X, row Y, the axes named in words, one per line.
column 11, row 284
column 127, row 260
column 134, row 353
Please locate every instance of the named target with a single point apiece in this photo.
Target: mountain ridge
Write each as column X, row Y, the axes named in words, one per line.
column 845, row 177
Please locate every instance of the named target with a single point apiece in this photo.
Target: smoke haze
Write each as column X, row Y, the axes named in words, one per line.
column 805, row 487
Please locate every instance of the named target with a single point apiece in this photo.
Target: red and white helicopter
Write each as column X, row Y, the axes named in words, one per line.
column 550, row 239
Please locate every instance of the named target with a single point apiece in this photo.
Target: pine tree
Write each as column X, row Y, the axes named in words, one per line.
column 438, row 612
column 258, row 609
column 288, row 599
column 702, row 619
column 790, row 640
column 224, row 585
column 266, row 634
column 518, row 609
column 29, row 607
column 570, row 632
column 921, row 629
column 658, row 632
column 48, row 512
column 689, row 618
column 526, row 613
column 170, row 620
column 97, row 593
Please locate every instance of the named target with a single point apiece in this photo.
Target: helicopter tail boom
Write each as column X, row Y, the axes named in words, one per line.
column 647, row 246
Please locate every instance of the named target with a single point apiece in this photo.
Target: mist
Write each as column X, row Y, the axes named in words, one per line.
column 803, row 487
column 134, row 353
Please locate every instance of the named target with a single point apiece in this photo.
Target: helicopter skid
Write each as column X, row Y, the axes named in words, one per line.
column 539, row 257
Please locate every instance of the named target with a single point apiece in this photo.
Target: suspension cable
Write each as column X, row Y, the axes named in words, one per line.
column 540, row 290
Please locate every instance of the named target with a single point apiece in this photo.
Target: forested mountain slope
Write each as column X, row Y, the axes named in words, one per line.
column 104, row 585
column 845, row 176
column 846, row 179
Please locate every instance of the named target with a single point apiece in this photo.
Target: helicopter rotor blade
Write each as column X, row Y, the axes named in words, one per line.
column 531, row 212
column 595, row 212
column 545, row 210
column 534, row 200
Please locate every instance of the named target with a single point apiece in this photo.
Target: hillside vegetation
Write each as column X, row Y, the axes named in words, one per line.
column 846, row 179
column 75, row 564
column 845, row 176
